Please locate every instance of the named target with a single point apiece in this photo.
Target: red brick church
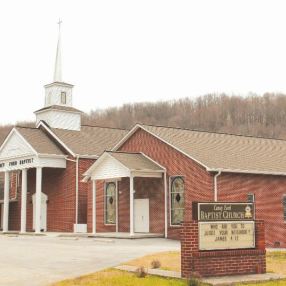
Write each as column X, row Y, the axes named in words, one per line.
column 63, row 176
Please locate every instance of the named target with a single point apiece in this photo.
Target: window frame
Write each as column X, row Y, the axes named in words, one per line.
column 284, row 207
column 104, row 207
column 171, row 178
column 253, row 198
column 63, row 95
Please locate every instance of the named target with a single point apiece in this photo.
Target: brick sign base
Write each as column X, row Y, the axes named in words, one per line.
column 220, row 262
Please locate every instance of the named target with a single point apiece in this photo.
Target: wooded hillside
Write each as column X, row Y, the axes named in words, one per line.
column 251, row 115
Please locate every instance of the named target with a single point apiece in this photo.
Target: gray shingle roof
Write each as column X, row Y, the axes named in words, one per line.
column 90, row 140
column 39, row 141
column 225, row 151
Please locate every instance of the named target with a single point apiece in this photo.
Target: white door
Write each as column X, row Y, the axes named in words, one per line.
column 44, row 199
column 141, row 215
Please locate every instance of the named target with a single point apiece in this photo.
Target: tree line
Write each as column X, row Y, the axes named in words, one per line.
column 248, row 115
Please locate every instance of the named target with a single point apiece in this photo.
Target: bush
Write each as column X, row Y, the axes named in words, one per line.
column 195, row 279
column 155, row 264
column 194, row 282
column 141, row 272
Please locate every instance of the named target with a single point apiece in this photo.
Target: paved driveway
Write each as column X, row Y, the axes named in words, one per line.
column 30, row 260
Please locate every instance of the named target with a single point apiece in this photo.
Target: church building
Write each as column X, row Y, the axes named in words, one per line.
column 64, row 176
column 43, row 165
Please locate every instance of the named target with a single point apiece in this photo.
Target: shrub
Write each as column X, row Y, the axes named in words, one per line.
column 194, row 282
column 155, row 264
column 141, row 272
column 195, row 279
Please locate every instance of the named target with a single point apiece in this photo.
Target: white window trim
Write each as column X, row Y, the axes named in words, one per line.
column 104, row 207
column 170, row 198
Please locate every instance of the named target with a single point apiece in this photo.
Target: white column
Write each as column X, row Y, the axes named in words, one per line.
column 6, row 202
column 131, row 205
column 94, row 207
column 38, row 199
column 24, row 200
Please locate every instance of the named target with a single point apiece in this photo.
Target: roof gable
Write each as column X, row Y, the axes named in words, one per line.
column 16, row 145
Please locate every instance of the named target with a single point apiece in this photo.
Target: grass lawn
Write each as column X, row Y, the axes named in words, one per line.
column 113, row 277
column 276, row 262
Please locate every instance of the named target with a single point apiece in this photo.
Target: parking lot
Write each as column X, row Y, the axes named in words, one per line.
column 32, row 260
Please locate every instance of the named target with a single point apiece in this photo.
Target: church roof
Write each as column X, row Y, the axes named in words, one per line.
column 90, row 140
column 221, row 151
column 59, row 107
column 39, row 141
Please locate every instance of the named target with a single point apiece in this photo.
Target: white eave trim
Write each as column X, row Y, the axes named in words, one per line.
column 238, row 171
column 41, row 123
column 55, row 109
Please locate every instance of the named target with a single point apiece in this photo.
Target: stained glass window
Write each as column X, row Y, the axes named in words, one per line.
column 110, row 203
column 177, row 200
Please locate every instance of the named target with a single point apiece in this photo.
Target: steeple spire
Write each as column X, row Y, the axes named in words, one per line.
column 58, row 63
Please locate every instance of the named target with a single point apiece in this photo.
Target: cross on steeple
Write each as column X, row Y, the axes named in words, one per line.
column 59, row 23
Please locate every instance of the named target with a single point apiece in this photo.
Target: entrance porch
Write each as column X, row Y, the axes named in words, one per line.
column 128, row 198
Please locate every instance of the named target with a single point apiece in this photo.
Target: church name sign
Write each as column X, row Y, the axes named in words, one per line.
column 14, row 163
column 225, row 225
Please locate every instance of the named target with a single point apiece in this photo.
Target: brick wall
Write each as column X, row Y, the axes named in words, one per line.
column 221, row 262
column 59, row 186
column 269, row 191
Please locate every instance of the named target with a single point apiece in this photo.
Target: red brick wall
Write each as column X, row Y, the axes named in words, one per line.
column 268, row 190
column 198, row 182
column 221, row 262
column 59, row 186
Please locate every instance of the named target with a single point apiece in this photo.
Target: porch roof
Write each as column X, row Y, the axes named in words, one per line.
column 111, row 165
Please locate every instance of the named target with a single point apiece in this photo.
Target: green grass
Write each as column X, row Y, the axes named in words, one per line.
column 276, row 263
column 113, row 277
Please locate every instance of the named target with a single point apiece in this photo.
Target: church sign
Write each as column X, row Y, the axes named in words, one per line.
column 225, row 211
column 225, row 225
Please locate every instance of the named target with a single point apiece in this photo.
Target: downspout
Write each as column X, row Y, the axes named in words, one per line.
column 76, row 190
column 215, row 185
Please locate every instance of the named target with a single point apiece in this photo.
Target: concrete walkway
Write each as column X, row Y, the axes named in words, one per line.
column 215, row 281
column 41, row 260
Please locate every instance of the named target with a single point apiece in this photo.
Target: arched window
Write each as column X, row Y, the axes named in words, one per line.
column 177, row 200
column 110, row 203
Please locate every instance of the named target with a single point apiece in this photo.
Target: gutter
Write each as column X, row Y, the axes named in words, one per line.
column 215, row 185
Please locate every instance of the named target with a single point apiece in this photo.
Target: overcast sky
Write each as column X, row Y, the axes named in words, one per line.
column 120, row 51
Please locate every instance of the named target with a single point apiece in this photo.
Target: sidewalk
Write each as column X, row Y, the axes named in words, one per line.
column 215, row 281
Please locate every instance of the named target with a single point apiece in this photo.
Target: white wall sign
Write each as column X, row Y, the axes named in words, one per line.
column 226, row 235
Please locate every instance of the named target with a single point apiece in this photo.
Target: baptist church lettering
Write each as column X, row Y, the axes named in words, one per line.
column 217, row 212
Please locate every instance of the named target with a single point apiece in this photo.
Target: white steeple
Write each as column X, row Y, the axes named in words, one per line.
column 58, row 111
column 58, row 63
